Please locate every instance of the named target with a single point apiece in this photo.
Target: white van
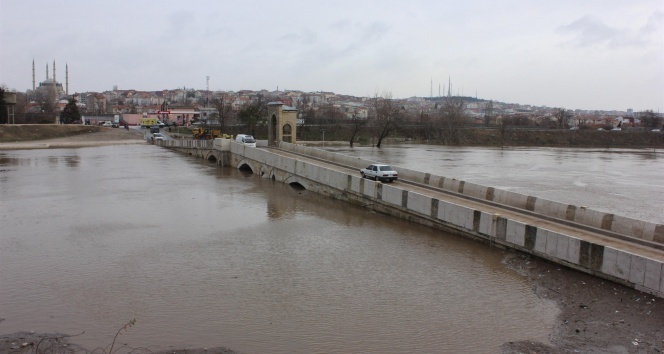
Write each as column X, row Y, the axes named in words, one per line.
column 245, row 139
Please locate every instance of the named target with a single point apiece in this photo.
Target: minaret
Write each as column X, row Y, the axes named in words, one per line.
column 66, row 79
column 46, row 71
column 53, row 72
column 449, row 86
column 33, row 75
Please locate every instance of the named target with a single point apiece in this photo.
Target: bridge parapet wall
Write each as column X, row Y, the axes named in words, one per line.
column 642, row 273
column 206, row 149
column 621, row 225
column 186, row 143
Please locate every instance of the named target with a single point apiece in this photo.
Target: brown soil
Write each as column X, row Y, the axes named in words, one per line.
column 597, row 316
column 32, row 132
column 38, row 136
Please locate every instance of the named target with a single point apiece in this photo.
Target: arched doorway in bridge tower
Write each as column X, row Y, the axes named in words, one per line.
column 282, row 124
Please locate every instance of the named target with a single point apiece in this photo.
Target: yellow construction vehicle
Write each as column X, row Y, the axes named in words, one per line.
column 208, row 134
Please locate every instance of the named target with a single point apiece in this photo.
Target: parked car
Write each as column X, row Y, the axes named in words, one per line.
column 158, row 136
column 107, row 124
column 379, row 172
column 245, row 139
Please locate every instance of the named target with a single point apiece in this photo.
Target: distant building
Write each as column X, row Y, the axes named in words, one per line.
column 43, row 88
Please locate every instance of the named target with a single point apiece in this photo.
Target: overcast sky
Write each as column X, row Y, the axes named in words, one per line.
column 574, row 54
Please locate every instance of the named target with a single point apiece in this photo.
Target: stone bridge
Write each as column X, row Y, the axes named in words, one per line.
column 617, row 248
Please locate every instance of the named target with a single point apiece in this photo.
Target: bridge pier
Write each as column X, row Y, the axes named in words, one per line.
column 542, row 228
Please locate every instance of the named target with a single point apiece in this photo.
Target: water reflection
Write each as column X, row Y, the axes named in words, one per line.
column 208, row 256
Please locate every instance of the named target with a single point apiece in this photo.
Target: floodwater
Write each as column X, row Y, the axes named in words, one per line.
column 203, row 256
column 626, row 182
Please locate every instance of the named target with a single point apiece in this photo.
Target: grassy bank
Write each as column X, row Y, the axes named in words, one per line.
column 561, row 138
column 466, row 137
column 29, row 132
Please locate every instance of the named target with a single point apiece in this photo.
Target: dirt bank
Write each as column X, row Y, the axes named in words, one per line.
column 31, row 132
column 44, row 136
column 561, row 138
column 597, row 316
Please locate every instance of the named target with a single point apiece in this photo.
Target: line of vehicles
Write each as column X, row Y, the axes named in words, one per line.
column 377, row 172
column 200, row 134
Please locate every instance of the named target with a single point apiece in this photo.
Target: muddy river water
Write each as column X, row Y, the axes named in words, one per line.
column 203, row 256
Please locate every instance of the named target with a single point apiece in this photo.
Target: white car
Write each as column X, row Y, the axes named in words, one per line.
column 107, row 124
column 379, row 172
column 158, row 136
column 245, row 139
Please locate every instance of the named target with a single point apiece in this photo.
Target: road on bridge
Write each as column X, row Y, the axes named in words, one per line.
column 596, row 236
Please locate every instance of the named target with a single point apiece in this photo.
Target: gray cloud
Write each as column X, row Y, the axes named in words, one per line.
column 589, row 31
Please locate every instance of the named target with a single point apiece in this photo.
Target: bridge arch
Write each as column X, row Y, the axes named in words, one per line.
column 247, row 165
column 211, row 156
column 297, row 182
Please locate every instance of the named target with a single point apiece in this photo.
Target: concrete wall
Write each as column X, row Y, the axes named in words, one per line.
column 621, row 225
column 620, row 266
column 642, row 273
column 217, row 150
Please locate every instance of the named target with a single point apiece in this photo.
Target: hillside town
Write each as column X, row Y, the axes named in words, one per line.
column 208, row 104
column 187, row 106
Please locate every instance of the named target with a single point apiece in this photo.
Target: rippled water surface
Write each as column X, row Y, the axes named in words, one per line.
column 204, row 256
column 627, row 182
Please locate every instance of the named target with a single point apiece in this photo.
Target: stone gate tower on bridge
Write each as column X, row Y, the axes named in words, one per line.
column 282, row 123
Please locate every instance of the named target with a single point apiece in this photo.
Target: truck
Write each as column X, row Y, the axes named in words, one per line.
column 148, row 122
column 207, row 134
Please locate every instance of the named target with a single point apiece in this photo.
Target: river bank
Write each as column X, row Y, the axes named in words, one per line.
column 51, row 136
column 38, row 133
column 596, row 316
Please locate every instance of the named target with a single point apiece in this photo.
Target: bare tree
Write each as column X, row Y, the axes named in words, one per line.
column 224, row 106
column 563, row 118
column 4, row 116
column 649, row 119
column 505, row 123
column 253, row 114
column 46, row 100
column 387, row 117
column 429, row 125
column 308, row 117
column 488, row 113
column 357, row 124
column 330, row 117
column 451, row 118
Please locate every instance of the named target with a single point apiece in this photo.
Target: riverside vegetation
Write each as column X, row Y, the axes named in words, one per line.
column 475, row 136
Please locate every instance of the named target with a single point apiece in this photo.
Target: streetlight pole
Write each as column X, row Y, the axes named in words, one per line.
column 323, row 131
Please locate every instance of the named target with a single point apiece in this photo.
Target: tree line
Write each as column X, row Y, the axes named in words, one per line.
column 386, row 119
